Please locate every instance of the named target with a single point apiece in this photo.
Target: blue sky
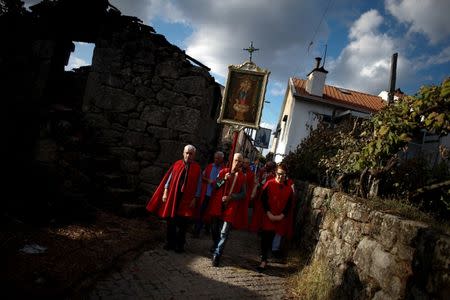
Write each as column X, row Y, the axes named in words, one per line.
column 360, row 35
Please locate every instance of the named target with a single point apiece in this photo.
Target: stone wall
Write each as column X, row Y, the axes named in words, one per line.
column 102, row 134
column 144, row 102
column 372, row 254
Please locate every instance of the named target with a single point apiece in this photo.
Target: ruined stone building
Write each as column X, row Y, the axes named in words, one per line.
column 105, row 132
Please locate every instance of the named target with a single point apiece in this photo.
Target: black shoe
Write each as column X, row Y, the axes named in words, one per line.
column 277, row 254
column 179, row 249
column 215, row 260
column 207, row 231
column 168, row 247
column 261, row 268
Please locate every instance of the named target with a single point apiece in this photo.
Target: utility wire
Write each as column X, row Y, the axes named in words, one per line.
column 318, row 26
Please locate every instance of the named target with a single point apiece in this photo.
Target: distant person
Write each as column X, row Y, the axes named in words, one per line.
column 208, row 184
column 227, row 205
column 175, row 198
column 276, row 198
column 265, row 174
column 262, row 138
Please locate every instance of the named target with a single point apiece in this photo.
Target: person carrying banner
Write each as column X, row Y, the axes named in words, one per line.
column 227, row 205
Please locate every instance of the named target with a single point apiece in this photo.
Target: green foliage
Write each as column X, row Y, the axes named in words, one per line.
column 397, row 124
column 370, row 156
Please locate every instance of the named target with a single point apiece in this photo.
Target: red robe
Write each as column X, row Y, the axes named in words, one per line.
column 278, row 197
column 236, row 210
column 250, row 182
column 258, row 210
column 169, row 208
column 206, row 174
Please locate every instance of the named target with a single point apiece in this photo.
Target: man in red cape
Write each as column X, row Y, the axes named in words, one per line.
column 227, row 205
column 175, row 198
column 209, row 177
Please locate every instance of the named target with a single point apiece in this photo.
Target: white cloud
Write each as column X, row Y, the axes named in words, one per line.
column 75, row 62
column 278, row 89
column 271, row 126
column 429, row 17
column 366, row 24
column 364, row 64
column 282, row 30
column 221, row 29
column 427, row 61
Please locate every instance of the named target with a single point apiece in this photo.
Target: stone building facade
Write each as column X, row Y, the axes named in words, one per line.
column 107, row 131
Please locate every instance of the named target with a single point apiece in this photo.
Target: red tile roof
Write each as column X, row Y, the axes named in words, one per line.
column 340, row 96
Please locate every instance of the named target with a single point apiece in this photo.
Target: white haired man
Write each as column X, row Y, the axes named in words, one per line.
column 175, row 198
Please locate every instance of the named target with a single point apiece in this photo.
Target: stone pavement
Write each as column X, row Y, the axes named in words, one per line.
column 161, row 274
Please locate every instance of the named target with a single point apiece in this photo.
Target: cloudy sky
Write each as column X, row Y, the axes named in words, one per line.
column 360, row 37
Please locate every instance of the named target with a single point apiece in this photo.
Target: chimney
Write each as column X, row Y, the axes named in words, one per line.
column 316, row 80
column 318, row 59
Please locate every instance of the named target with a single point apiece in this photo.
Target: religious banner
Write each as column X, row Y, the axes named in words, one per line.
column 262, row 137
column 243, row 98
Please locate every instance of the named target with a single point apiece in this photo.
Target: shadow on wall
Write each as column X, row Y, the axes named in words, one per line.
column 307, row 220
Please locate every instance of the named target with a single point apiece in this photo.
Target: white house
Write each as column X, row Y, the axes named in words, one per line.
column 308, row 101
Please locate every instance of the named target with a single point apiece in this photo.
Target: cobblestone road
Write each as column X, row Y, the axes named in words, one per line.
column 161, row 274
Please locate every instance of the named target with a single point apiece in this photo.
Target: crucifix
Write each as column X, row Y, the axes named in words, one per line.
column 251, row 49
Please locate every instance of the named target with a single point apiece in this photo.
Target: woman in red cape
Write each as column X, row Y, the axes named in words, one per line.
column 175, row 198
column 276, row 200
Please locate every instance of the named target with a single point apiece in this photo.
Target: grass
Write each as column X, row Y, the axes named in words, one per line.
column 313, row 281
column 407, row 210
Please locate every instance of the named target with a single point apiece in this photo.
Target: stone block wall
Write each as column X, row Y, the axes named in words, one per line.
column 144, row 101
column 373, row 254
column 99, row 134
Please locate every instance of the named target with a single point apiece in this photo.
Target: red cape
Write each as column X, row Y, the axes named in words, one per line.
column 169, row 208
column 206, row 174
column 258, row 210
column 236, row 210
column 242, row 222
column 278, row 194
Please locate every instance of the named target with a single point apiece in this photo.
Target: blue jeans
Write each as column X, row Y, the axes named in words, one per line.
column 224, row 233
column 276, row 242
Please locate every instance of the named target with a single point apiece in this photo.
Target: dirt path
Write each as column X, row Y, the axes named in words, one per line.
column 161, row 274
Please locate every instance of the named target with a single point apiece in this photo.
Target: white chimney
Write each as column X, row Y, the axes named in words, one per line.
column 316, row 80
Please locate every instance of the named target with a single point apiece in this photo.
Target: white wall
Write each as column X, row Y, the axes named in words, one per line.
column 301, row 115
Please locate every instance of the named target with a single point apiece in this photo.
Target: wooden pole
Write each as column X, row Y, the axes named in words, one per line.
column 233, row 147
column 393, row 78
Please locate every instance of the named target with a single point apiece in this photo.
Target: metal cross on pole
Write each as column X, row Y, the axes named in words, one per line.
column 251, row 49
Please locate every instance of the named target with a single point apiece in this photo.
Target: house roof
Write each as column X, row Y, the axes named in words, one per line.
column 341, row 97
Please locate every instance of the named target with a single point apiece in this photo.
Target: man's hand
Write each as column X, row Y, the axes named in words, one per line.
column 164, row 197
column 225, row 199
column 193, row 202
column 274, row 218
